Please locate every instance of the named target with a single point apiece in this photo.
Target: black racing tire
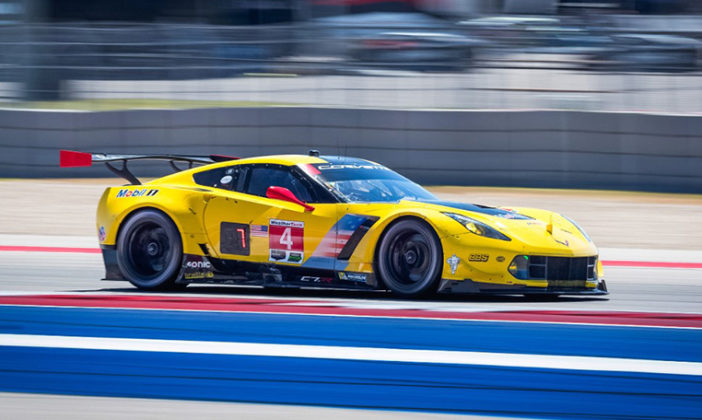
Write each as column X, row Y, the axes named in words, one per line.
column 409, row 258
column 150, row 251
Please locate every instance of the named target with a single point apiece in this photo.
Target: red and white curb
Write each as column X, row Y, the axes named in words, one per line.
column 305, row 306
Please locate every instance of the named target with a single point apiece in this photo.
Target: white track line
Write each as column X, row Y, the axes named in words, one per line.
column 583, row 363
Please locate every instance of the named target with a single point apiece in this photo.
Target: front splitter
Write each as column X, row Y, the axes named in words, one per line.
column 470, row 286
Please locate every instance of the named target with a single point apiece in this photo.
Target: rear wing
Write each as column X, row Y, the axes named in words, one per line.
column 71, row 159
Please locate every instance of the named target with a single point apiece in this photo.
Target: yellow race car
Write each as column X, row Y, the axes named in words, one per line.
column 327, row 221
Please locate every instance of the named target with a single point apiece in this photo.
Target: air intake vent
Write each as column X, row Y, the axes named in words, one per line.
column 561, row 268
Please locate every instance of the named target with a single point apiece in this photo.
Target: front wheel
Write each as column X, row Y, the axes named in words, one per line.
column 409, row 258
column 149, row 251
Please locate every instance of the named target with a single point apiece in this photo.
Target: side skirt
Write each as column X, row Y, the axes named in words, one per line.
column 203, row 269
column 207, row 270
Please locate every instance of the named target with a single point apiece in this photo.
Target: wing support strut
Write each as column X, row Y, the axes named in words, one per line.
column 123, row 172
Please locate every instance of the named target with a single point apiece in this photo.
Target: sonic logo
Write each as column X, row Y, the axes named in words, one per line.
column 198, row 264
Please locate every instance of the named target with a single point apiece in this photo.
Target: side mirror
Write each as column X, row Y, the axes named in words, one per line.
column 281, row 193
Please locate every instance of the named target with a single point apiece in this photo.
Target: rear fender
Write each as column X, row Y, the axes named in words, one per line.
column 184, row 207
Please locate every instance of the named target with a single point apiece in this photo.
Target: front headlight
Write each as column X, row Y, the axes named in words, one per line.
column 519, row 267
column 596, row 270
column 477, row 227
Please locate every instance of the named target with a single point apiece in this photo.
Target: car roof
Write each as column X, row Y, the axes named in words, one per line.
column 281, row 159
column 290, row 160
column 286, row 160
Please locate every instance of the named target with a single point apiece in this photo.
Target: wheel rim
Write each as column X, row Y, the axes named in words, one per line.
column 149, row 250
column 409, row 258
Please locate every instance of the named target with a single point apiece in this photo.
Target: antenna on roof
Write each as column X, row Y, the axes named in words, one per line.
column 313, row 152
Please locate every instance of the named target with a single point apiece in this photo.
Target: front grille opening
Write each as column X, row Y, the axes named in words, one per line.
column 561, row 268
column 537, row 272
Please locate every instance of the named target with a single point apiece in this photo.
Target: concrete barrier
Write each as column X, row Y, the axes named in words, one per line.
column 561, row 149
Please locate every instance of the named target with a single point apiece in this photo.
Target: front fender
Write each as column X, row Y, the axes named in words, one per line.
column 364, row 256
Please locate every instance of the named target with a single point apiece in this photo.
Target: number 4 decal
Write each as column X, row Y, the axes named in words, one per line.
column 286, row 240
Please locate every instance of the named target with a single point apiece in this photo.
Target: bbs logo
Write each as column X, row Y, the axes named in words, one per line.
column 479, row 258
column 198, row 264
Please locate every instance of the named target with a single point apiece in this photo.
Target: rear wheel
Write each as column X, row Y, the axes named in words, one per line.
column 149, row 251
column 409, row 258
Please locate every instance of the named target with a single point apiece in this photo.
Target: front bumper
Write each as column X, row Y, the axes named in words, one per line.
column 469, row 286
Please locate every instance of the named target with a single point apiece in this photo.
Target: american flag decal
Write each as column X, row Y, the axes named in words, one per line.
column 259, row 230
column 337, row 237
column 347, row 231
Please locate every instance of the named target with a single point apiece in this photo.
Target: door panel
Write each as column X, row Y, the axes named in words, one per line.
column 258, row 229
column 295, row 235
column 230, row 223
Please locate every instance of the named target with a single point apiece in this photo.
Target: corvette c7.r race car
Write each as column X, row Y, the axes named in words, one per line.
column 327, row 221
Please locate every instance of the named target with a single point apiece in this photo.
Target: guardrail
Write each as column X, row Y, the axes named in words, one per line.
column 555, row 149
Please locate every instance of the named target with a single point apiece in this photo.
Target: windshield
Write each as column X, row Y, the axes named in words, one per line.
column 367, row 182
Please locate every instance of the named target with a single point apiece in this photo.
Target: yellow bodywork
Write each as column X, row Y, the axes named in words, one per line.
column 198, row 212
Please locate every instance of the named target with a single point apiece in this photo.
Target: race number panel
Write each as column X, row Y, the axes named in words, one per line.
column 286, row 239
column 234, row 238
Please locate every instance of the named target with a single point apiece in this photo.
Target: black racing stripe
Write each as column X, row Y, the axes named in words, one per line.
column 491, row 211
column 356, row 237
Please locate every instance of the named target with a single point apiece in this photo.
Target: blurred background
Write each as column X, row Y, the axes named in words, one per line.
column 613, row 55
column 461, row 96
column 527, row 93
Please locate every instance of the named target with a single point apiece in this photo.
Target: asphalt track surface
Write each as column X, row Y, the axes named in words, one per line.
column 634, row 354
column 72, row 346
column 63, row 407
column 659, row 289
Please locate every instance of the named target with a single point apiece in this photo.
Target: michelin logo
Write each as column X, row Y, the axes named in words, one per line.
column 453, row 263
column 357, row 277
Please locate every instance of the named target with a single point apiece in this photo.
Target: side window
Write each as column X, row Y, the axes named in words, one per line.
column 263, row 177
column 227, row 178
